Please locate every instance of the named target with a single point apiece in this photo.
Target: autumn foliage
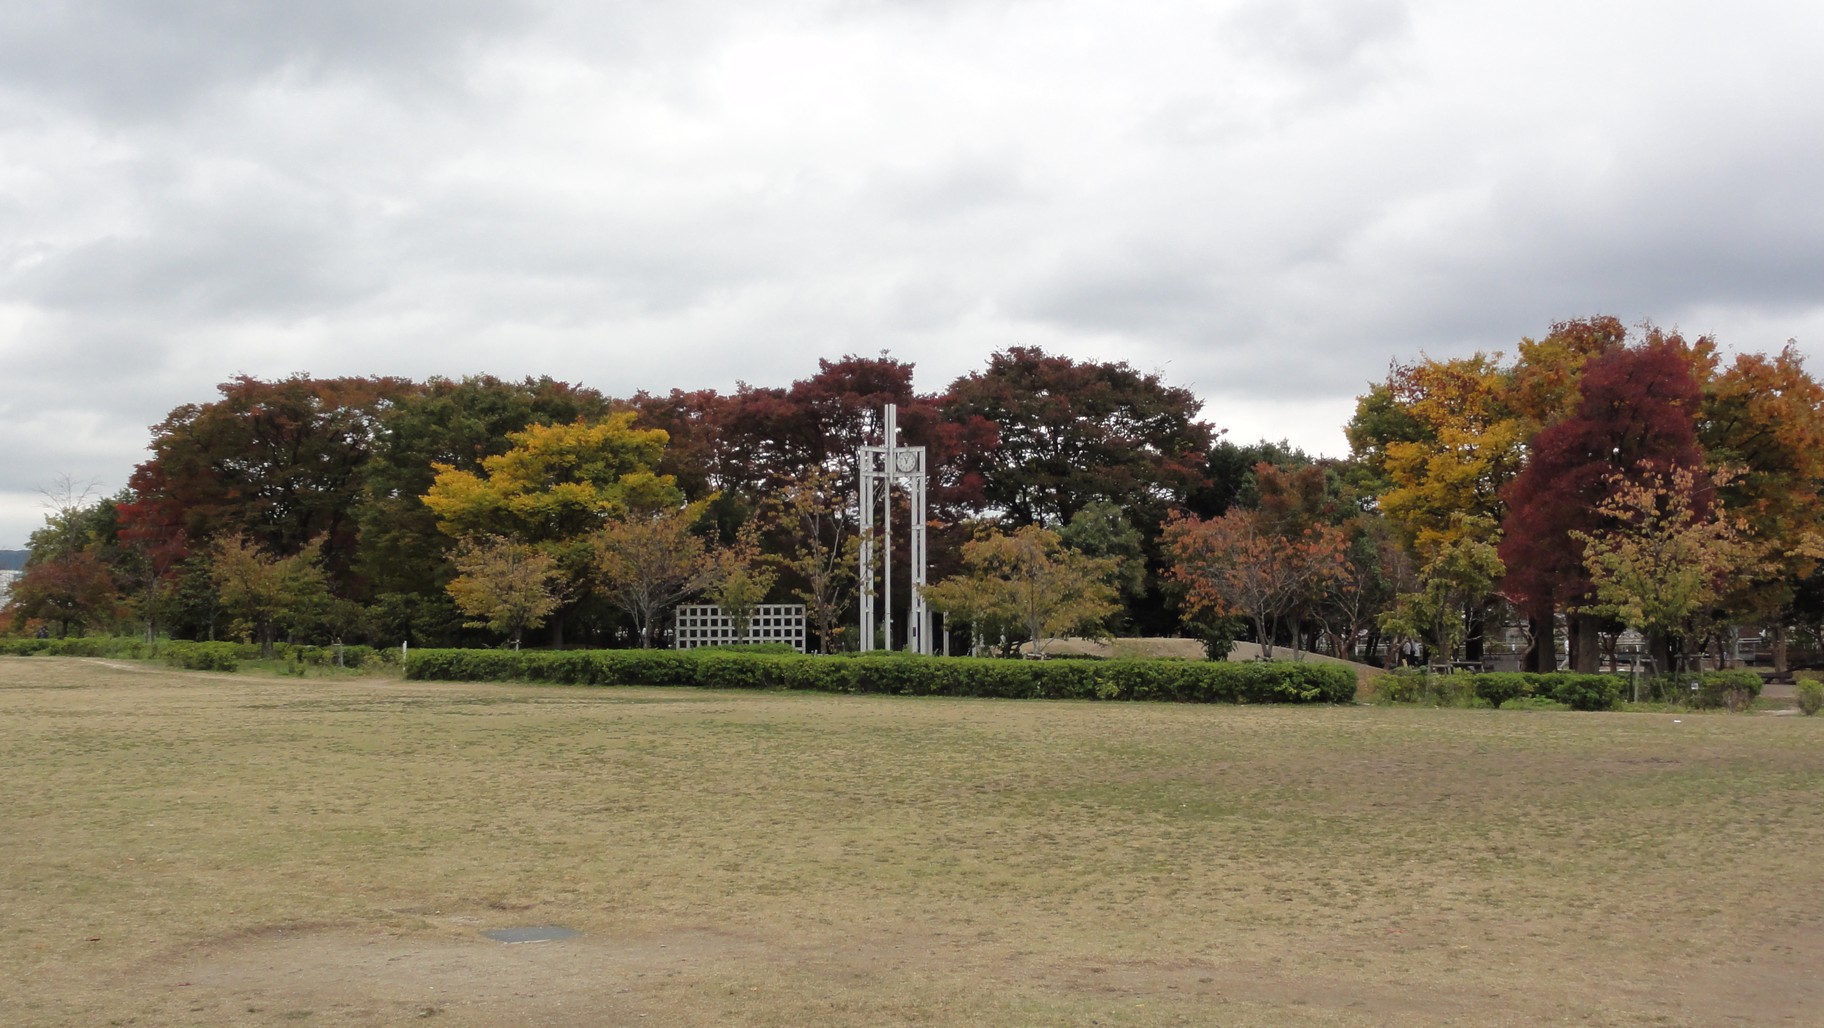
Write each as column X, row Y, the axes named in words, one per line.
column 1251, row 563
column 1599, row 479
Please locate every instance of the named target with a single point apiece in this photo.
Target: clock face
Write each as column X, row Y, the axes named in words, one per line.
column 906, row 460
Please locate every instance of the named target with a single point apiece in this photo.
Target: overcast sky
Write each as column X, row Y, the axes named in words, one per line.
column 1265, row 201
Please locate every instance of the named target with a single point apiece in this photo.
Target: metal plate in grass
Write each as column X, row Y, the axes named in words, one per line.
column 536, row 933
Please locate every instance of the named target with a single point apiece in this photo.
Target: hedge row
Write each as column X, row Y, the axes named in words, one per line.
column 1734, row 690
column 197, row 656
column 81, row 646
column 1574, row 690
column 1731, row 689
column 1177, row 681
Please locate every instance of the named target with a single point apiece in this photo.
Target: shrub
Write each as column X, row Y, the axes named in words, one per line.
column 129, row 647
column 725, row 670
column 203, row 656
column 1733, row 690
column 1585, row 692
column 463, row 665
column 900, row 674
column 81, row 646
column 1416, row 685
column 817, row 675
column 1404, row 685
column 776, row 648
column 1811, row 696
column 353, row 655
column 1577, row 691
column 1498, row 687
column 650, row 667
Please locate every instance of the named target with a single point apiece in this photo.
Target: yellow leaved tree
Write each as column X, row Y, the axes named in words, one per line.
column 556, row 482
column 553, row 489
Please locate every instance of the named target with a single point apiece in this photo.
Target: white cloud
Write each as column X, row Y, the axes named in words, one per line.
column 1265, row 201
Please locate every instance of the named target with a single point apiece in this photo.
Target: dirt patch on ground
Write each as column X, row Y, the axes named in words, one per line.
column 341, row 976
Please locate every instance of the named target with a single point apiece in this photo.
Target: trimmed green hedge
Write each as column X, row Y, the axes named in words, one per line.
column 1577, row 691
column 195, row 656
column 79, row 646
column 207, row 656
column 1715, row 689
column 22, row 647
column 1172, row 680
column 1732, row 689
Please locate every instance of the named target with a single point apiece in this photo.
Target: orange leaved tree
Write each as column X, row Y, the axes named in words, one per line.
column 1244, row 564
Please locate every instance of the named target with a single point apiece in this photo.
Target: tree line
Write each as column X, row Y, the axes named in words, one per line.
column 1598, row 481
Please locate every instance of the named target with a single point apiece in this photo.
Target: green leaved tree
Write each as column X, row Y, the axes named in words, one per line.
column 1028, row 585
column 506, row 586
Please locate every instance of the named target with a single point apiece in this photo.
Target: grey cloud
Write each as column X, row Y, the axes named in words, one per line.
column 620, row 259
column 1319, row 34
column 1128, row 294
column 208, row 225
column 1651, row 236
column 958, row 189
column 205, row 271
column 1269, row 205
column 128, row 59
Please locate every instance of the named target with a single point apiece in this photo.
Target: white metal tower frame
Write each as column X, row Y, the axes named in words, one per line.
column 881, row 467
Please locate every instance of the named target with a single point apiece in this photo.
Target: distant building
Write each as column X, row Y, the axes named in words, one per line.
column 6, row 585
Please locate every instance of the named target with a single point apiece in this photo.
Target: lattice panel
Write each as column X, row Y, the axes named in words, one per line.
column 704, row 624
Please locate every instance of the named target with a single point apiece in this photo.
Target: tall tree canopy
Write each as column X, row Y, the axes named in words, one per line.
column 1764, row 421
column 1254, row 564
column 1637, row 415
column 1072, row 433
column 506, row 586
column 1669, row 554
column 448, row 423
column 279, row 463
column 649, row 561
column 756, row 439
column 1451, row 457
column 1028, row 585
column 555, row 482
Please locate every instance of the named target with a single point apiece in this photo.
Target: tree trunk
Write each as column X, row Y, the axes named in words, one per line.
column 1542, row 656
column 1586, row 644
column 1476, row 620
column 1782, row 669
column 1659, row 647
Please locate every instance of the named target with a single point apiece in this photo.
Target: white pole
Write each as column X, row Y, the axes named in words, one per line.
column 886, row 523
column 864, row 461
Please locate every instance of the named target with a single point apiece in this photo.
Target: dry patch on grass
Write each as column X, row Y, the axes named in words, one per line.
column 183, row 848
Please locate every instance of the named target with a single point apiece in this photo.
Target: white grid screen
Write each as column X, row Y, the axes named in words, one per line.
column 704, row 624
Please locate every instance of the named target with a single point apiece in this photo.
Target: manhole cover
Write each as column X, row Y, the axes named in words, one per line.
column 538, row 933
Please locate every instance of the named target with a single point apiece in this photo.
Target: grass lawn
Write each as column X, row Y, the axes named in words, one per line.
column 180, row 848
